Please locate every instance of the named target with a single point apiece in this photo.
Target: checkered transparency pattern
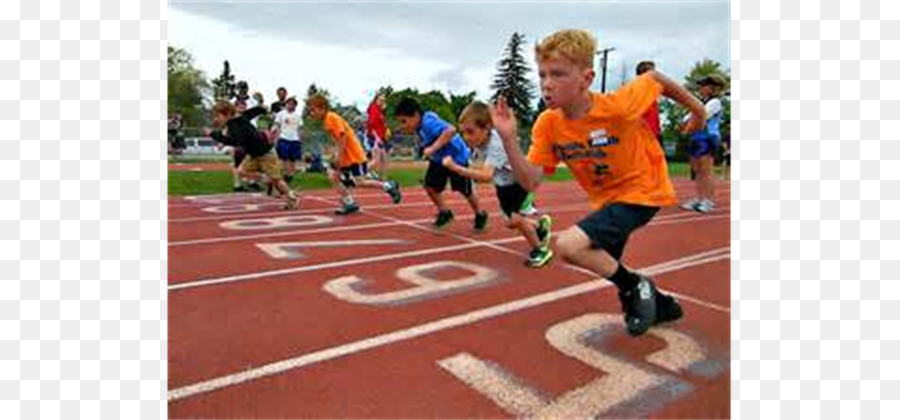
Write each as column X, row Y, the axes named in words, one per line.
column 82, row 303
column 815, row 331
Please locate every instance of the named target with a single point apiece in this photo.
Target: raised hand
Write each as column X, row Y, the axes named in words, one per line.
column 448, row 161
column 504, row 120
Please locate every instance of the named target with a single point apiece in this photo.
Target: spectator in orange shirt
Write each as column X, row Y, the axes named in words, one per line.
column 613, row 155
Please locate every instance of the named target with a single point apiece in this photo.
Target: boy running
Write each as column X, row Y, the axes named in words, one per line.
column 350, row 159
column 437, row 140
column 236, row 130
column 477, row 130
column 614, row 157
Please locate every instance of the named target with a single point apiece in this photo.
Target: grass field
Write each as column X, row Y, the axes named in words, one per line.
column 216, row 182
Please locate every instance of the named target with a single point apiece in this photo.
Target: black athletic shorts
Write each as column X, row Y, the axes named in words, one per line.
column 513, row 198
column 610, row 227
column 348, row 173
column 436, row 178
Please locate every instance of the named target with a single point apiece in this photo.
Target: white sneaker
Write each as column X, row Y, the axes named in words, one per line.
column 691, row 204
column 530, row 211
column 705, row 206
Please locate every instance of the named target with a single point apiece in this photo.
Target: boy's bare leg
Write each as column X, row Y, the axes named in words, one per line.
column 281, row 186
column 369, row 183
column 705, row 178
column 698, row 186
column 335, row 177
column 526, row 227
column 436, row 198
column 376, row 160
column 575, row 246
column 291, row 167
column 473, row 201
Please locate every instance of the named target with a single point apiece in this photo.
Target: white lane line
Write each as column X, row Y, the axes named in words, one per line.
column 329, row 210
column 470, row 243
column 507, row 391
column 681, row 189
column 215, row 239
column 406, row 334
column 545, row 196
column 333, row 264
column 514, row 252
column 547, row 210
column 697, row 301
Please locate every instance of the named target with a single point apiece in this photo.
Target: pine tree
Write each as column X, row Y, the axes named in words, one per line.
column 223, row 86
column 511, row 80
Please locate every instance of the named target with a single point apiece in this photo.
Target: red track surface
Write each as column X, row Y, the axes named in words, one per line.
column 256, row 333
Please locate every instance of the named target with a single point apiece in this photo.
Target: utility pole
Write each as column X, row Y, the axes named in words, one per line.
column 605, row 52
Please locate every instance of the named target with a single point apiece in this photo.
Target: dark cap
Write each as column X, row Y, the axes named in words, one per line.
column 713, row 80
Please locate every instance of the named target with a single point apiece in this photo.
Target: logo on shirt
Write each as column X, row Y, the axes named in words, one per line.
column 599, row 138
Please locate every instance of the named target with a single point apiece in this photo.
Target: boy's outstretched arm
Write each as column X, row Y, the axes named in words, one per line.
column 678, row 93
column 484, row 174
column 527, row 175
column 443, row 139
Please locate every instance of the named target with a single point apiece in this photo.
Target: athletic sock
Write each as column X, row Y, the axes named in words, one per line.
column 624, row 279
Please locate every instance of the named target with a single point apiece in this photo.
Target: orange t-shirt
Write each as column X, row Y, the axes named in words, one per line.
column 610, row 151
column 353, row 152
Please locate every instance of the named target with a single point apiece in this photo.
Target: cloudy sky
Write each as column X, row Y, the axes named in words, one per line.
column 352, row 47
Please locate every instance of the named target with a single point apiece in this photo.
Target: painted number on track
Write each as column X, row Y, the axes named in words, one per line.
column 351, row 288
column 581, row 338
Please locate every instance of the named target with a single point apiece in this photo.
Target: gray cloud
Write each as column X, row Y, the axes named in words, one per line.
column 473, row 34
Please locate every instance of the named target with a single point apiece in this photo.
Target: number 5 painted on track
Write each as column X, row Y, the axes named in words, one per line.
column 622, row 383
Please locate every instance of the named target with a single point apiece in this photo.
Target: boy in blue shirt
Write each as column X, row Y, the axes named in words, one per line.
column 439, row 139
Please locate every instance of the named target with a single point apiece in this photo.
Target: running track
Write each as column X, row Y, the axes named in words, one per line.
column 305, row 314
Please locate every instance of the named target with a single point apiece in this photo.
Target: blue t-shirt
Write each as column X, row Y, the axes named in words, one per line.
column 431, row 128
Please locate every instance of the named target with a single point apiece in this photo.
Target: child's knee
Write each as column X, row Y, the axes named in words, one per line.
column 515, row 222
column 569, row 244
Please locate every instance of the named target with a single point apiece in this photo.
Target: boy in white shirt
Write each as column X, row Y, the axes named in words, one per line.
column 289, row 146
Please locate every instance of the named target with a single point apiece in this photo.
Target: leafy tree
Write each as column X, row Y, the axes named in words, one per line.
column 460, row 102
column 187, row 88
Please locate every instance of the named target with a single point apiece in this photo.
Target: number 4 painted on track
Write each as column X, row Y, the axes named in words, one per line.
column 622, row 383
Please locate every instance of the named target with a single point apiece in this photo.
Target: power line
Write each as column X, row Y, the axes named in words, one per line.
column 604, row 61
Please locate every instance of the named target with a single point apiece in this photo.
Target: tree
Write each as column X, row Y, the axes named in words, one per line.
column 703, row 68
column 187, row 88
column 223, row 86
column 511, row 80
column 460, row 102
column 672, row 115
